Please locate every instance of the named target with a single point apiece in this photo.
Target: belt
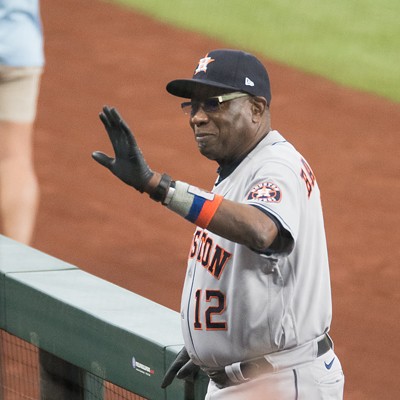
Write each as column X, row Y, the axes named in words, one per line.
column 247, row 370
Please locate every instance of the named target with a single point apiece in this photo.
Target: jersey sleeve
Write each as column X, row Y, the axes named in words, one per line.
column 276, row 192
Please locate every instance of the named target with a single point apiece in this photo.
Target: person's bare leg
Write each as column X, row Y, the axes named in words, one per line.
column 19, row 189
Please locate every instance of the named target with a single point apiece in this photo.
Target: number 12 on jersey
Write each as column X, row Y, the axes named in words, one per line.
column 217, row 298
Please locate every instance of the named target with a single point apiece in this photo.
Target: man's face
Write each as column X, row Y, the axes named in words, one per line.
column 226, row 134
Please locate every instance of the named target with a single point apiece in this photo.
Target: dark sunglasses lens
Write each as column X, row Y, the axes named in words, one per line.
column 187, row 107
column 211, row 105
column 195, row 105
column 192, row 107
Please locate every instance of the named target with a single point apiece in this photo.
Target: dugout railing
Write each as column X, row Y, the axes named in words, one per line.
column 85, row 332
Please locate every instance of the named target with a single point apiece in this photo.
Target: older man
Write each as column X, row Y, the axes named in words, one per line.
column 256, row 303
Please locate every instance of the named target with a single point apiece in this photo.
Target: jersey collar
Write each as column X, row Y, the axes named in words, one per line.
column 223, row 172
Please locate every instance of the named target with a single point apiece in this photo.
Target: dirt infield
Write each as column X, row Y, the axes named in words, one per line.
column 101, row 54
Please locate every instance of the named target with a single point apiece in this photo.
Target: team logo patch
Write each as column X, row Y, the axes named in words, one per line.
column 203, row 63
column 266, row 191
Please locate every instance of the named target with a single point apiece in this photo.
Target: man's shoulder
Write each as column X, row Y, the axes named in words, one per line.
column 275, row 147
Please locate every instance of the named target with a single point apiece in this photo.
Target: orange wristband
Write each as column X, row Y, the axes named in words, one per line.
column 207, row 211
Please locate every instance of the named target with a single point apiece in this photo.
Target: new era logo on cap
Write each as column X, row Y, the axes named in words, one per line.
column 230, row 70
column 248, row 82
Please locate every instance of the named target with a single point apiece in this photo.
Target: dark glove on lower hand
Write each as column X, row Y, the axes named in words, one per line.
column 182, row 368
column 129, row 164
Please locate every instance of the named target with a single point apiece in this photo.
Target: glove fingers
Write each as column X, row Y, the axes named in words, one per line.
column 128, row 134
column 128, row 164
column 108, row 124
column 112, row 116
column 118, row 122
column 118, row 131
column 104, row 119
column 102, row 159
column 111, row 120
column 188, row 369
column 117, row 137
column 170, row 375
column 181, row 373
column 122, row 125
column 180, row 361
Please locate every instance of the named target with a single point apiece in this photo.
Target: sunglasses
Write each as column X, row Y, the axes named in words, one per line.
column 210, row 105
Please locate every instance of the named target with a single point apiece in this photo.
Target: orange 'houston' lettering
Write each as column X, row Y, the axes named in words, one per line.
column 219, row 260
column 212, row 257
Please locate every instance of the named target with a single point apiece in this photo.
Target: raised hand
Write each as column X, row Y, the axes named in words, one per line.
column 129, row 164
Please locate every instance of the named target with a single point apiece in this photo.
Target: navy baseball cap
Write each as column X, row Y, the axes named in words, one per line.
column 233, row 70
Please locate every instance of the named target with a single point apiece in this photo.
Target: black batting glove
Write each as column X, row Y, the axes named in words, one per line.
column 129, row 164
column 182, row 368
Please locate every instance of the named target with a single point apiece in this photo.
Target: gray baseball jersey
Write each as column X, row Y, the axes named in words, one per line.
column 237, row 303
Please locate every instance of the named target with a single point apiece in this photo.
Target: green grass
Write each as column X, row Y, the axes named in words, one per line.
column 353, row 42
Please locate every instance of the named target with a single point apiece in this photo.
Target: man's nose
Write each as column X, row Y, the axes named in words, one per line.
column 199, row 115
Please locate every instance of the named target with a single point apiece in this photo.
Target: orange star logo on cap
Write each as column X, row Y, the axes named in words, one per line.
column 203, row 63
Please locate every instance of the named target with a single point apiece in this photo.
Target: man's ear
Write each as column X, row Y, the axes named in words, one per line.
column 259, row 107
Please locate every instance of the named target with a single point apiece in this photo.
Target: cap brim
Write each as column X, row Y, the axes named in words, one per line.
column 186, row 88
